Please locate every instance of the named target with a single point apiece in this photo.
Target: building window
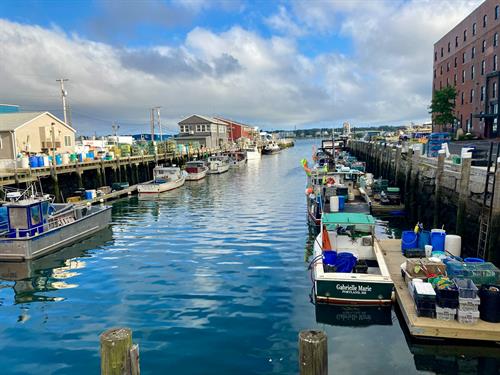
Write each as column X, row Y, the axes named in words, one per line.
column 455, row 79
column 485, row 20
column 198, row 128
column 456, row 41
column 482, row 93
column 442, row 52
column 483, row 66
column 448, row 66
column 447, row 81
column 465, row 35
column 462, row 98
column 497, row 11
column 472, row 71
column 484, row 46
column 449, row 47
column 474, row 28
column 471, row 95
column 495, row 63
column 473, row 52
column 495, row 40
column 494, row 93
column 463, row 76
column 434, row 73
column 455, row 62
column 441, row 70
column 67, row 140
column 436, row 56
column 464, row 56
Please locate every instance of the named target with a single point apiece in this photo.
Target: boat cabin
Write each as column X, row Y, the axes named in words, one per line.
column 196, row 166
column 162, row 174
column 27, row 217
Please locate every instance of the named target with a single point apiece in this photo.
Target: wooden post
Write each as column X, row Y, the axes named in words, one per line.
column 313, row 353
column 118, row 355
column 463, row 194
column 437, row 188
column 397, row 165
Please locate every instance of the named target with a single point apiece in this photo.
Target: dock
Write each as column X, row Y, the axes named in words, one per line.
column 385, row 210
column 427, row 327
column 110, row 196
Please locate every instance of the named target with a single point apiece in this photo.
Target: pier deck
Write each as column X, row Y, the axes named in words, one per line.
column 427, row 327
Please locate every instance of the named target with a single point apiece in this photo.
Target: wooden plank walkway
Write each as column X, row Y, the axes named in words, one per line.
column 111, row 196
column 427, row 327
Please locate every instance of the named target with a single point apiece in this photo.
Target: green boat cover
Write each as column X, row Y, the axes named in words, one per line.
column 347, row 218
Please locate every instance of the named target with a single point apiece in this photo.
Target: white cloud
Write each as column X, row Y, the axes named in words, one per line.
column 239, row 73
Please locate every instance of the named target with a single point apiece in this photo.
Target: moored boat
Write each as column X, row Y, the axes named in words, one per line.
column 348, row 266
column 237, row 159
column 165, row 179
column 196, row 170
column 35, row 226
column 271, row 148
column 252, row 152
column 218, row 164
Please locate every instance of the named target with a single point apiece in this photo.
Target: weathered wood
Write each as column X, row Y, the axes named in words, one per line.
column 437, row 186
column 463, row 194
column 115, row 351
column 313, row 353
column 134, row 360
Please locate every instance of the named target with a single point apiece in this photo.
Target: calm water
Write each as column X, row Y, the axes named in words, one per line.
column 212, row 279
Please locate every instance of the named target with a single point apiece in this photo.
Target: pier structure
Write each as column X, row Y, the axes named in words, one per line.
column 438, row 192
column 62, row 180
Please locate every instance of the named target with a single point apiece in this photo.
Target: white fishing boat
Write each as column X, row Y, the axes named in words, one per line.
column 218, row 164
column 196, row 170
column 271, row 148
column 34, row 225
column 165, row 179
column 237, row 159
column 253, row 152
column 348, row 266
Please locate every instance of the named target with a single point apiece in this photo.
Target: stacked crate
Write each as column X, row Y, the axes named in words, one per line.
column 468, row 310
column 425, row 299
column 446, row 301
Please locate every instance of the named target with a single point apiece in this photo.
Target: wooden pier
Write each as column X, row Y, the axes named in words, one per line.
column 427, row 327
column 385, row 210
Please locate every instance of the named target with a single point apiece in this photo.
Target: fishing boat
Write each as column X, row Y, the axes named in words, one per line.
column 348, row 266
column 253, row 152
column 218, row 164
column 34, row 225
column 165, row 178
column 271, row 148
column 196, row 170
column 237, row 159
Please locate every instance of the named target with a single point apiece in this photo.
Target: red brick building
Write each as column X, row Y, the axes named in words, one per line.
column 467, row 58
column 237, row 130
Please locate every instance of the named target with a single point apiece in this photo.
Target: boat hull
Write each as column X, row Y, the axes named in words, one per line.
column 345, row 291
column 253, row 155
column 155, row 188
column 20, row 249
column 270, row 152
column 219, row 169
column 196, row 176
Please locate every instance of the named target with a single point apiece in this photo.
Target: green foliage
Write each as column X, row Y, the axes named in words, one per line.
column 443, row 106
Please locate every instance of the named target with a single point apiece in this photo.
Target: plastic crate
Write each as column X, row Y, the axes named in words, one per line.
column 467, row 317
column 479, row 273
column 414, row 253
column 447, row 298
column 426, row 312
column 466, row 288
column 447, row 314
column 469, row 304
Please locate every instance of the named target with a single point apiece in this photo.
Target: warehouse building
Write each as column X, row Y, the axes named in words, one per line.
column 467, row 58
column 34, row 132
column 206, row 131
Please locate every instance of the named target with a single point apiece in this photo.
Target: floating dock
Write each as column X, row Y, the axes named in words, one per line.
column 378, row 209
column 427, row 327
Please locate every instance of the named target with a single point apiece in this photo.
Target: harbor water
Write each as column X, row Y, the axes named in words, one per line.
column 212, row 278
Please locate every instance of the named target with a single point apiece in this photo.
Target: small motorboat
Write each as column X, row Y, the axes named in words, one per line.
column 271, row 148
column 253, row 152
column 34, row 225
column 196, row 170
column 218, row 164
column 165, row 179
column 237, row 159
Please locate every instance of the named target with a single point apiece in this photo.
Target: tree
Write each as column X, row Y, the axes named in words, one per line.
column 442, row 106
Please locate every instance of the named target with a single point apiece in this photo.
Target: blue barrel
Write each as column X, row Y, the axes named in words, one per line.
column 40, row 161
column 341, row 202
column 424, row 238
column 33, row 162
column 90, row 155
column 437, row 241
column 408, row 240
column 58, row 159
column 88, row 194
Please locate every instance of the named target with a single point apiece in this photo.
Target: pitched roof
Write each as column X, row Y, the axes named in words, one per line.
column 12, row 121
column 206, row 118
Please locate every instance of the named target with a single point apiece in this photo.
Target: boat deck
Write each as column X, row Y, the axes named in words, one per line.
column 427, row 327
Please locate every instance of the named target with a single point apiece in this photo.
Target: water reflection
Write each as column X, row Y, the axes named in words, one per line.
column 353, row 316
column 30, row 280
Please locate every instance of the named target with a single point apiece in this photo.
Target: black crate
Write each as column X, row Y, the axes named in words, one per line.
column 414, row 253
column 426, row 313
column 447, row 298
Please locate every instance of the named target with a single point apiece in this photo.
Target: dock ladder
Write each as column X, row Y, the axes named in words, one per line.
column 487, row 203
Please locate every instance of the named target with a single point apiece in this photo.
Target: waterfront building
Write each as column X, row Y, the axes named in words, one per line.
column 237, row 130
column 31, row 132
column 467, row 58
column 208, row 132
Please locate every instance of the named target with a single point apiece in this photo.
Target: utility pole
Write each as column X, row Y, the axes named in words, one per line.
column 152, row 122
column 64, row 93
column 159, row 123
column 115, row 131
column 53, row 133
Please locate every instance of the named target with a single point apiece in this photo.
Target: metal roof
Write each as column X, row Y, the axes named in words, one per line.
column 347, row 218
column 12, row 121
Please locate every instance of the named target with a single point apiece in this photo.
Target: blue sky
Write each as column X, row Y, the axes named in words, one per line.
column 275, row 64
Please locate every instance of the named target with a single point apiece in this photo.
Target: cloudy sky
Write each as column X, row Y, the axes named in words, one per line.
column 275, row 64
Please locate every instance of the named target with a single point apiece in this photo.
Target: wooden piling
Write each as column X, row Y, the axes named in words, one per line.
column 118, row 355
column 437, row 189
column 313, row 353
column 463, row 194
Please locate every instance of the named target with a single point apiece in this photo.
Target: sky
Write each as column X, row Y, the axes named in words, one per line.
column 272, row 64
